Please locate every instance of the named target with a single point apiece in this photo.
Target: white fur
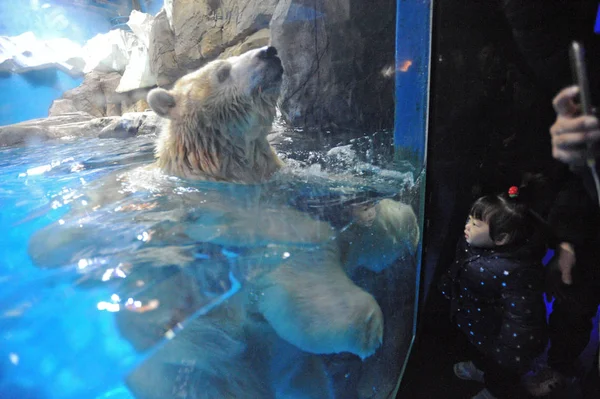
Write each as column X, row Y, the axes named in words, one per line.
column 217, row 130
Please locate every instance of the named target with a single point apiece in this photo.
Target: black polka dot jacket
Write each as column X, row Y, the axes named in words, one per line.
column 497, row 301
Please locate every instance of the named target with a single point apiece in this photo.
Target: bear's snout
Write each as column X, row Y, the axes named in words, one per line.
column 273, row 70
column 269, row 52
column 269, row 55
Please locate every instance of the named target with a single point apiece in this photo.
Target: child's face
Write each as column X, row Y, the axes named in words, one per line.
column 477, row 233
column 364, row 215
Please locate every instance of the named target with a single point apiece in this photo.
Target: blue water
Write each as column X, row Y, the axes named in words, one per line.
column 57, row 320
column 54, row 338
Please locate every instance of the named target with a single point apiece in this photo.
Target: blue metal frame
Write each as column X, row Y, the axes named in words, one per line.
column 413, row 55
column 413, row 44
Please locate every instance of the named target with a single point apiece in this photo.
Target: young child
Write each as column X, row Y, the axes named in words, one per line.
column 495, row 286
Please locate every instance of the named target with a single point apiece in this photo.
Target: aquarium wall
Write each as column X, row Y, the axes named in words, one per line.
column 220, row 201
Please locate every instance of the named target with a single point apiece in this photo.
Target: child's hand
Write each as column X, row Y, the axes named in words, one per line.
column 566, row 262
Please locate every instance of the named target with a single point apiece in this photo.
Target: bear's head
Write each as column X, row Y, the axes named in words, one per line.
column 218, row 118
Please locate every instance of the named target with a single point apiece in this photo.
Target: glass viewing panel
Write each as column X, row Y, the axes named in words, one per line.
column 210, row 199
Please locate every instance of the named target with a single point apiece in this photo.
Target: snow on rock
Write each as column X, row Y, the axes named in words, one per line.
column 108, row 52
column 137, row 73
column 115, row 51
column 168, row 6
column 25, row 53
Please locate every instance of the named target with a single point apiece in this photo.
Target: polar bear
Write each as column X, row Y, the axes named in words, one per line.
column 218, row 119
column 274, row 329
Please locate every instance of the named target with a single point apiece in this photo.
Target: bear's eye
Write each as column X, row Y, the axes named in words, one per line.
column 223, row 72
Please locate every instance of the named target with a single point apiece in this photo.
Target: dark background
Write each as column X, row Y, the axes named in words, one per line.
column 496, row 66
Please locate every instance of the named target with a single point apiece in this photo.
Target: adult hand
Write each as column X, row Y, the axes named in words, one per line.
column 560, row 272
column 566, row 262
column 574, row 137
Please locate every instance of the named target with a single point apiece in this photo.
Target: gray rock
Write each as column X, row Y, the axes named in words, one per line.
column 200, row 30
column 38, row 130
column 71, row 117
column 151, row 123
column 135, row 101
column 119, row 129
column 91, row 128
column 22, row 135
column 78, row 125
column 333, row 53
column 255, row 40
column 96, row 94
column 204, row 28
column 138, row 106
column 162, row 51
column 113, row 100
column 132, row 124
column 61, row 107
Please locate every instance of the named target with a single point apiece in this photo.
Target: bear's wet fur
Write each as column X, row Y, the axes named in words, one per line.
column 218, row 119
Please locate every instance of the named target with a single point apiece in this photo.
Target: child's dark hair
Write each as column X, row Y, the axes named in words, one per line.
column 510, row 217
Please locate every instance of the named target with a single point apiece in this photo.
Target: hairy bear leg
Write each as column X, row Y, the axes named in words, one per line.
column 311, row 303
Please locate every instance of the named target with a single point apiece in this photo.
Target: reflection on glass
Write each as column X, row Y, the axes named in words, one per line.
column 219, row 209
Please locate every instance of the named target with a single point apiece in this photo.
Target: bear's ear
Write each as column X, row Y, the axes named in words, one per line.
column 223, row 72
column 161, row 102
